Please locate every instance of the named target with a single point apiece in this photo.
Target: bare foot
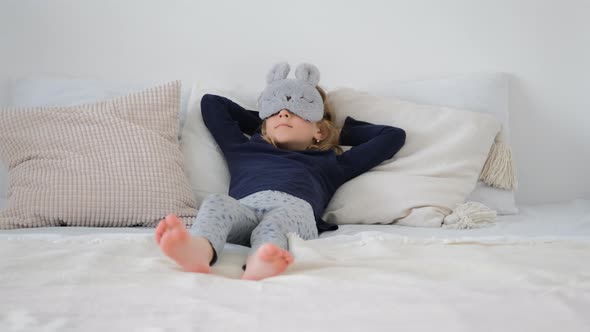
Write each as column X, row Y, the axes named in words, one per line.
column 269, row 260
column 193, row 254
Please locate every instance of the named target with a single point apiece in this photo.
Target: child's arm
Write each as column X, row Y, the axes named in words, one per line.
column 228, row 121
column 371, row 145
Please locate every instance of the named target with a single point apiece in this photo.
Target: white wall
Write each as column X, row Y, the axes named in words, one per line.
column 6, row 59
column 544, row 44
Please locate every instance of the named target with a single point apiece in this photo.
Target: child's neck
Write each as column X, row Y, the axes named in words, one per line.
column 293, row 146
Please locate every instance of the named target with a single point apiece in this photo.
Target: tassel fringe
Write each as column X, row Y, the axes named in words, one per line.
column 469, row 215
column 498, row 170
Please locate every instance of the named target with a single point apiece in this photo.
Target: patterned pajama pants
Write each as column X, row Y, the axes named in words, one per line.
column 259, row 218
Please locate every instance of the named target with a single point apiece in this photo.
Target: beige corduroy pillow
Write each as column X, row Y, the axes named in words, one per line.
column 115, row 163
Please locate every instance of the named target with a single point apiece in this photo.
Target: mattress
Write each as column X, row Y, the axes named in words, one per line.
column 525, row 272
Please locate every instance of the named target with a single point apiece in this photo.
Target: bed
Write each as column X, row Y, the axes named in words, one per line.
column 526, row 272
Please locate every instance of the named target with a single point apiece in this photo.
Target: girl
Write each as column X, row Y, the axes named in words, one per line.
column 282, row 177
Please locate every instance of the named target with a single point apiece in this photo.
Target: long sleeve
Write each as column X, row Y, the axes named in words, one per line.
column 371, row 145
column 228, row 121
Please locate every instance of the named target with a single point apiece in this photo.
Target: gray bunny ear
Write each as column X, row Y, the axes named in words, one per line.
column 308, row 73
column 278, row 72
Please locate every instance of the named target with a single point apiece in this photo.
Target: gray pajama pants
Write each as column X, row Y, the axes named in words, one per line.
column 263, row 217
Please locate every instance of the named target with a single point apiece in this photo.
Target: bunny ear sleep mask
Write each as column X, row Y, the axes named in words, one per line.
column 298, row 95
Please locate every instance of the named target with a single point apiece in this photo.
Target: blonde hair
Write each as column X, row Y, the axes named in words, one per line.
column 331, row 133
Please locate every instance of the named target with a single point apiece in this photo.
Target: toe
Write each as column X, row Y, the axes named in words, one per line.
column 172, row 220
column 160, row 229
column 178, row 233
column 289, row 258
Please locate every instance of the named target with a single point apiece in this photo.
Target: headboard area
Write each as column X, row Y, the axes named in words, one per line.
column 543, row 47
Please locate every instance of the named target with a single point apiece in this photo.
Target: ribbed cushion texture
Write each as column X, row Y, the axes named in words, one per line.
column 115, row 163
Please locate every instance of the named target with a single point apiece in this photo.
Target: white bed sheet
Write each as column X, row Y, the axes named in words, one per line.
column 527, row 272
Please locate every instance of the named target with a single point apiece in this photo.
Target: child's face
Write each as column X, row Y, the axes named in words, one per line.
column 291, row 132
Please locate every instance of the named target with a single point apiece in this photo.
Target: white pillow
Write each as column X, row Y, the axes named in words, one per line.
column 435, row 170
column 481, row 92
column 67, row 91
column 208, row 172
column 205, row 165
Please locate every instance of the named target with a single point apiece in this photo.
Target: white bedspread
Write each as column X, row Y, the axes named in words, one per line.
column 368, row 281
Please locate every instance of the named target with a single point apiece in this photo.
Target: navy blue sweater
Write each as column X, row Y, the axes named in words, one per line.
column 313, row 176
